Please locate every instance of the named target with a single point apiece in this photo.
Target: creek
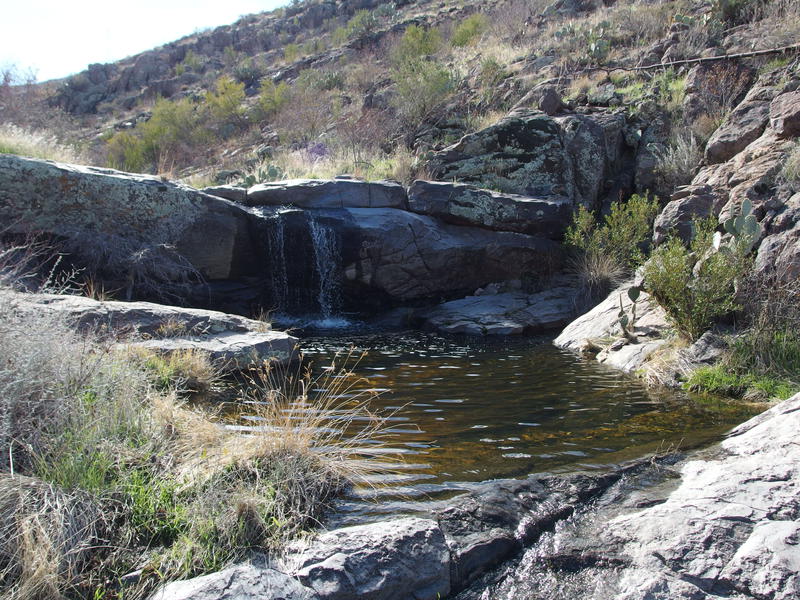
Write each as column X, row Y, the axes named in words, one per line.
column 465, row 410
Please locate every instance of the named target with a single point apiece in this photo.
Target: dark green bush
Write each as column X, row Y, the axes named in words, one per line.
column 695, row 285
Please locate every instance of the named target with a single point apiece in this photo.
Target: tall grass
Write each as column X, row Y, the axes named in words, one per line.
column 104, row 468
column 36, row 144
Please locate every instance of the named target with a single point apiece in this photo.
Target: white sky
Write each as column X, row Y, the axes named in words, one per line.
column 58, row 37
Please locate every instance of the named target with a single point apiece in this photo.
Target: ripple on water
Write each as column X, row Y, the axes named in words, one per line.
column 477, row 409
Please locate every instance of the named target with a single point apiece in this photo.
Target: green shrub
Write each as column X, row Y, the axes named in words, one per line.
column 720, row 380
column 417, row 42
column 291, row 52
column 421, row 87
column 624, row 233
column 249, row 71
column 696, row 285
column 225, row 106
column 791, row 167
column 362, row 24
column 469, row 30
column 272, row 98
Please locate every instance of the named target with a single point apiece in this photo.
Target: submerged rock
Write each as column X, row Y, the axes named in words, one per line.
column 510, row 313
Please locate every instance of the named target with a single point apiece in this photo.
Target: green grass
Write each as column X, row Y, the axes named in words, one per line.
column 719, row 380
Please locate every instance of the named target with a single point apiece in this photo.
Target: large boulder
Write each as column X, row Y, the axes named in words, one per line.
column 404, row 559
column 463, row 204
column 138, row 228
column 510, row 313
column 231, row 341
column 533, row 154
column 328, row 193
column 784, row 114
column 744, row 125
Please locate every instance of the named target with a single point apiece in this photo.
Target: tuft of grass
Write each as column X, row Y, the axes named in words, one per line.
column 791, row 167
column 677, row 164
column 36, row 144
column 719, row 380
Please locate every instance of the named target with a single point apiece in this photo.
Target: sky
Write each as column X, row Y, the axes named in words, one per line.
column 56, row 38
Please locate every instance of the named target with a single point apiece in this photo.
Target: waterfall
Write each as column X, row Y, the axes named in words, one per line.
column 303, row 264
column 327, row 260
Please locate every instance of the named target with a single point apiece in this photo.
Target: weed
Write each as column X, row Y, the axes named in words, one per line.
column 676, row 165
column 469, row 30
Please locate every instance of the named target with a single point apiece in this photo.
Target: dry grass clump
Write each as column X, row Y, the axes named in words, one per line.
column 791, row 167
column 104, row 470
column 36, row 144
column 678, row 163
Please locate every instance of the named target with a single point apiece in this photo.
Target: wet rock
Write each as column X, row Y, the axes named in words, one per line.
column 334, row 193
column 504, row 314
column 744, row 125
column 233, row 342
column 408, row 256
column 464, row 204
column 242, row 582
column 135, row 226
column 404, row 559
column 784, row 114
column 602, row 322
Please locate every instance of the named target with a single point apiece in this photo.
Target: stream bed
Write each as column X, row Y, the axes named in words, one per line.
column 465, row 410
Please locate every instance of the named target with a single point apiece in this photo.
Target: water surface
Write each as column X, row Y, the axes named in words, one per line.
column 464, row 410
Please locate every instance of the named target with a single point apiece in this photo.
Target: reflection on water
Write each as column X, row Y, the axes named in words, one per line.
column 468, row 410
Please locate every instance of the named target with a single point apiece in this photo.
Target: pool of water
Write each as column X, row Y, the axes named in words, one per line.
column 465, row 410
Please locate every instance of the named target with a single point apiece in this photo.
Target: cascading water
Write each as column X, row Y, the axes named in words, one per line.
column 327, row 258
column 303, row 267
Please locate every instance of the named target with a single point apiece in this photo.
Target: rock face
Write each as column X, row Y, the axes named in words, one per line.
column 332, row 193
column 388, row 256
column 743, row 125
column 578, row 157
column 599, row 330
column 726, row 527
column 467, row 205
column 233, row 342
column 784, row 114
column 510, row 313
column 137, row 227
column 394, row 560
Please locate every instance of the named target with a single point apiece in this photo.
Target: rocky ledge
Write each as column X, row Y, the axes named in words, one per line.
column 720, row 523
column 231, row 341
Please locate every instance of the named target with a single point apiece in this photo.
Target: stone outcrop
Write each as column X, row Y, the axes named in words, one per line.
column 509, row 313
column 579, row 157
column 598, row 331
column 384, row 256
column 328, row 193
column 720, row 524
column 463, row 204
column 137, row 228
column 784, row 114
column 232, row 342
column 393, row 560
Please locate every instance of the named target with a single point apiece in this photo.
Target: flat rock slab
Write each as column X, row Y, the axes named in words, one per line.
column 469, row 205
column 241, row 582
column 511, row 313
column 328, row 193
column 404, row 559
column 234, row 341
column 732, row 527
column 600, row 327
